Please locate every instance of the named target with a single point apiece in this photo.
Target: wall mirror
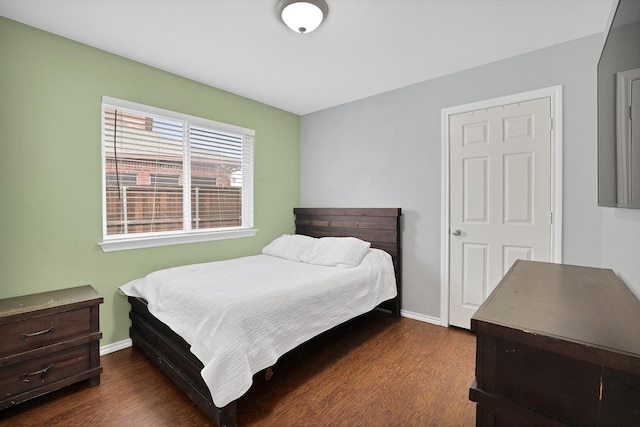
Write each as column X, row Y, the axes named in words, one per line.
column 619, row 110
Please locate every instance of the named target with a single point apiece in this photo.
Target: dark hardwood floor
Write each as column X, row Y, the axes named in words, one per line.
column 374, row 371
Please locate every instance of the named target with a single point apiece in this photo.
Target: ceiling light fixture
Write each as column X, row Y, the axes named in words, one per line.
column 302, row 16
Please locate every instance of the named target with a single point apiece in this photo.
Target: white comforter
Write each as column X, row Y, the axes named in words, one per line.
column 241, row 315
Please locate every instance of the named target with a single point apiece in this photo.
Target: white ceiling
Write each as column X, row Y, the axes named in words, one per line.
column 363, row 48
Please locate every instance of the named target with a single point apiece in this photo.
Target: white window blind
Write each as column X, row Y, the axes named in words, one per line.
column 170, row 174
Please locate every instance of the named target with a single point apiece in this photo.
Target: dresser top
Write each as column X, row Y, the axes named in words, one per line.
column 584, row 305
column 76, row 297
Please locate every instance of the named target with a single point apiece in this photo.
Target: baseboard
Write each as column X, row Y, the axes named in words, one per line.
column 110, row 348
column 421, row 317
column 121, row 345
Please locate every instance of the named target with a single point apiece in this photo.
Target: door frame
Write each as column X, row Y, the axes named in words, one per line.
column 555, row 94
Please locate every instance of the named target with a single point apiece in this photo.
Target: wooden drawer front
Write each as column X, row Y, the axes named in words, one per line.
column 39, row 371
column 548, row 382
column 43, row 330
column 620, row 398
column 495, row 412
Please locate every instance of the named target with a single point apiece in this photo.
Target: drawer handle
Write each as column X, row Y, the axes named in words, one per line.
column 35, row 334
column 25, row 376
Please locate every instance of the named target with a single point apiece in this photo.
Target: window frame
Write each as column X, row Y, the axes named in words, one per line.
column 165, row 238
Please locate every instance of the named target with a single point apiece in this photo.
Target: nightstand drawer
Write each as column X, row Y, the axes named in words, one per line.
column 40, row 331
column 32, row 373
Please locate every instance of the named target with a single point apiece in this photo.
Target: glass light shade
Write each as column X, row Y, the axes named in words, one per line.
column 302, row 17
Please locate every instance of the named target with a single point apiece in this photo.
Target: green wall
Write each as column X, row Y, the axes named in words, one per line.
column 50, row 167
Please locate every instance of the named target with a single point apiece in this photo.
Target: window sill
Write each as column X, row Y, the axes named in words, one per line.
column 175, row 239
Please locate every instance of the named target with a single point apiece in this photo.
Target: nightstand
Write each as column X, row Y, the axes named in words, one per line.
column 48, row 341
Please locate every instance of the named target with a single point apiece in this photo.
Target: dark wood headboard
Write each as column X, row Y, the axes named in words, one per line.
column 380, row 226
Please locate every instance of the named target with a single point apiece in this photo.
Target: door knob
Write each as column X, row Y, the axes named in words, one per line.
column 456, row 232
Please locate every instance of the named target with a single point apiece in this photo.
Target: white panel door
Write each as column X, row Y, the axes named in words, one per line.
column 500, row 204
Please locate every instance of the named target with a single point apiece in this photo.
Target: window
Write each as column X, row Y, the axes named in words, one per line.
column 172, row 178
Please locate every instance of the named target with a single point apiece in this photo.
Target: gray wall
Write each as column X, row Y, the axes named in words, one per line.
column 386, row 151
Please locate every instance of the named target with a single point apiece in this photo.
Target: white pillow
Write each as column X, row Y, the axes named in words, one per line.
column 289, row 246
column 336, row 252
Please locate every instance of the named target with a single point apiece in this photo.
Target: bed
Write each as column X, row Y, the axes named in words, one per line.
column 172, row 353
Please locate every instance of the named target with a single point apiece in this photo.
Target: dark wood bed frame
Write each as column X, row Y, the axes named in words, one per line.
column 171, row 353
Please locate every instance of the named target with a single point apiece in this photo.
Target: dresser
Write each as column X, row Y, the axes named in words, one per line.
column 48, row 341
column 557, row 345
